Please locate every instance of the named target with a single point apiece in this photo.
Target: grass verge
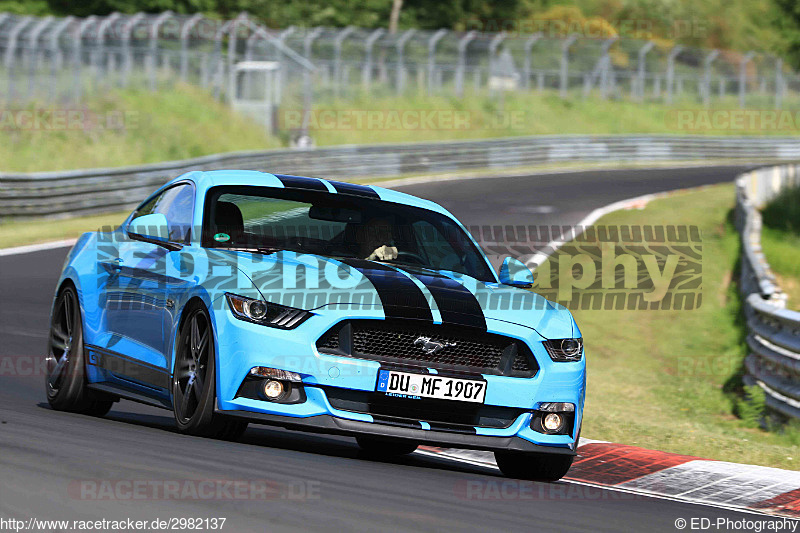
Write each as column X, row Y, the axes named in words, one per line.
column 669, row 380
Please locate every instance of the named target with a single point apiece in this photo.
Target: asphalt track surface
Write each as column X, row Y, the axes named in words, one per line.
column 317, row 482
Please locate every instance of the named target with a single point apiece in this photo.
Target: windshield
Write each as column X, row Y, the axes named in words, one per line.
column 266, row 219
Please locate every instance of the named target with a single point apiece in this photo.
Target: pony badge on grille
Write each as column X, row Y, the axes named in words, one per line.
column 431, row 347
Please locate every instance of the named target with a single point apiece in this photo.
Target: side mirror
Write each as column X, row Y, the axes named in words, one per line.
column 153, row 226
column 515, row 273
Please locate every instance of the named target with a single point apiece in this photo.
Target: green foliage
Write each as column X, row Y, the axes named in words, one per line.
column 752, row 408
column 787, row 21
column 783, row 212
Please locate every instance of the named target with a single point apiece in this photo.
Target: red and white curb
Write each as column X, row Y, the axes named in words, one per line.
column 668, row 475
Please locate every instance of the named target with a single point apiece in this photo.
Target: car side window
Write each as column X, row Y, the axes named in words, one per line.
column 177, row 204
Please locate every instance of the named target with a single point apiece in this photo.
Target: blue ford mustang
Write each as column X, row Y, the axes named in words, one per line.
column 233, row 297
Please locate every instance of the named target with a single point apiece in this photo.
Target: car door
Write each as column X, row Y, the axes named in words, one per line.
column 138, row 311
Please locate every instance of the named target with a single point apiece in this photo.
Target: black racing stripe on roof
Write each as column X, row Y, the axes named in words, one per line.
column 354, row 190
column 299, row 182
column 400, row 296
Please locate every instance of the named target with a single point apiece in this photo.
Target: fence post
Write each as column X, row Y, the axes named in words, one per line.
column 605, row 67
column 526, row 67
column 186, row 30
column 778, row 83
column 240, row 18
column 337, row 57
column 462, row 61
column 100, row 39
column 564, row 67
column 643, row 51
column 33, row 44
column 127, row 60
column 432, row 42
column 56, row 59
column 743, row 77
column 494, row 44
column 676, row 50
column 401, row 67
column 153, row 48
column 707, row 76
column 366, row 73
column 11, row 42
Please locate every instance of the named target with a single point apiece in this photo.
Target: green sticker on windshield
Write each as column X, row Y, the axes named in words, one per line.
column 222, row 237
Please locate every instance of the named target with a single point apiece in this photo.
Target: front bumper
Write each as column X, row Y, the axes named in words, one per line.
column 242, row 346
column 342, row 426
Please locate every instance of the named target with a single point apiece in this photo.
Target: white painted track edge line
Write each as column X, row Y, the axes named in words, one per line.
column 29, row 248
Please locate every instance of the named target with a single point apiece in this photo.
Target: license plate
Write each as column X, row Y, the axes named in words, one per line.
column 405, row 384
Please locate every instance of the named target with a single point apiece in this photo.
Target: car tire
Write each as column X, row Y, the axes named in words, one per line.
column 65, row 377
column 533, row 466
column 385, row 447
column 194, row 381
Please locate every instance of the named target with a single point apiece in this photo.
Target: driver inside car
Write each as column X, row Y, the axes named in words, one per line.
column 375, row 240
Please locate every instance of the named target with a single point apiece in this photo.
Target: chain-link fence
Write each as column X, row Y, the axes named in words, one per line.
column 257, row 68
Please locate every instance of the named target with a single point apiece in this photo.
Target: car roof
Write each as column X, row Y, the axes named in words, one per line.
column 204, row 180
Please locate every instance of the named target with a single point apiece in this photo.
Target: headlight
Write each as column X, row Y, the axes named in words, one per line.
column 268, row 314
column 564, row 350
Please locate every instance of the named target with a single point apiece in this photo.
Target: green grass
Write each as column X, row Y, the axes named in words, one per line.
column 669, row 380
column 177, row 124
column 780, row 240
column 185, row 122
column 19, row 232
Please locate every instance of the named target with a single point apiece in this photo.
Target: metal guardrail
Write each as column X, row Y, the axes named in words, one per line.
column 773, row 332
column 94, row 190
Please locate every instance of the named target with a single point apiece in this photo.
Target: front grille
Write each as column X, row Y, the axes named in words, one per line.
column 397, row 341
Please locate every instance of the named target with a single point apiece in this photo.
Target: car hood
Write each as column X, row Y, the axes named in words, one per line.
column 358, row 287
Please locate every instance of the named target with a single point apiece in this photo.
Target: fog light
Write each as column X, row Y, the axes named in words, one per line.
column 273, row 389
column 552, row 422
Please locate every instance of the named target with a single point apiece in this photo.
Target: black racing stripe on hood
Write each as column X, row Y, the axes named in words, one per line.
column 457, row 305
column 354, row 190
column 299, row 182
column 400, row 296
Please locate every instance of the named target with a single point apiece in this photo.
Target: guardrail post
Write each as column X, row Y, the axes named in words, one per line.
column 401, row 66
column 337, row 57
column 710, row 57
column 526, row 68
column 432, row 42
column 642, row 67
column 369, row 44
column 743, row 77
column 676, row 50
column 564, row 66
column 461, row 67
